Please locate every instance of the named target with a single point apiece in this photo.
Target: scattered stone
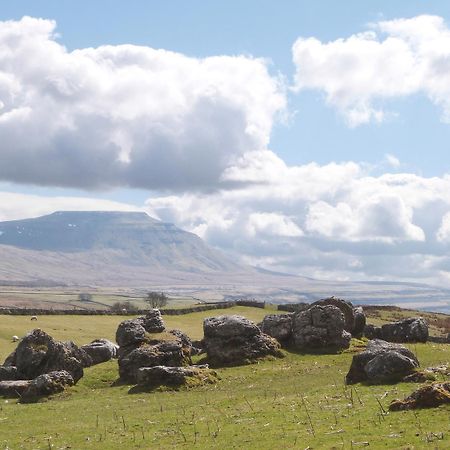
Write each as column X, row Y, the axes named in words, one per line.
column 235, row 340
column 382, row 362
column 38, row 353
column 320, row 328
column 359, row 322
column 152, row 377
column 45, row 385
column 169, row 352
column 279, row 326
column 8, row 373
column 100, row 350
column 344, row 306
column 429, row 396
column 13, row 389
column 372, row 332
column 414, row 329
column 420, row 376
column 132, row 332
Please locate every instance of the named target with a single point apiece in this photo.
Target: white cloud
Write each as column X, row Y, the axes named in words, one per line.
column 395, row 59
column 20, row 206
column 126, row 115
column 392, row 160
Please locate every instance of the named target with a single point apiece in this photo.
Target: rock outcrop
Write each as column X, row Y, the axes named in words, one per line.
column 382, row 362
column 45, row 385
column 359, row 322
column 100, row 350
column 144, row 343
column 38, row 353
column 413, row 329
column 429, row 396
column 344, row 306
column 152, row 377
column 279, row 326
column 235, row 340
column 320, row 328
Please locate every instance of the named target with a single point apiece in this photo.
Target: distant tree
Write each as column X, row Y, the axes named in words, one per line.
column 156, row 299
column 84, row 297
column 124, row 307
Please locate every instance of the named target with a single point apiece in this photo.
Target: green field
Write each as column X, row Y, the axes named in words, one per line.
column 296, row 402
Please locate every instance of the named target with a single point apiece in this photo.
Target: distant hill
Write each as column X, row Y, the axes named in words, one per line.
column 133, row 250
column 82, row 247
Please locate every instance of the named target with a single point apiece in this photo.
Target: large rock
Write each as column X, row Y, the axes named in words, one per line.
column 8, row 373
column 344, row 306
column 429, row 396
column 100, row 350
column 152, row 377
column 13, row 389
column 38, row 353
column 133, row 331
column 279, row 326
column 320, row 328
column 235, row 340
column 382, row 362
column 414, row 329
column 359, row 322
column 169, row 352
column 45, row 385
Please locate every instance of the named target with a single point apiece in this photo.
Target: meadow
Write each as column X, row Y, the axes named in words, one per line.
column 299, row 401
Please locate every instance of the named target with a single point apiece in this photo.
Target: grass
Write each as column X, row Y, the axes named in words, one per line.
column 299, row 401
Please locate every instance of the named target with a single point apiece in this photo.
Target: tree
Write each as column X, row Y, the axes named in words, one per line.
column 156, row 299
column 124, row 307
column 84, row 297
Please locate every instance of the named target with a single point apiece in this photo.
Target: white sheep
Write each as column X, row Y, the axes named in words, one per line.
column 15, row 338
column 33, row 317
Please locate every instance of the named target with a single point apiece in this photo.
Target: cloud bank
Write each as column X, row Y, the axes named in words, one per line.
column 394, row 59
column 126, row 115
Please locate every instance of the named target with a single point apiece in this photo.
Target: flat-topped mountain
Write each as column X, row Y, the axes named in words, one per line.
column 63, row 246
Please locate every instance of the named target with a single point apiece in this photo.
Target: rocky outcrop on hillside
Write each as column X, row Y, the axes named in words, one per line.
column 235, row 340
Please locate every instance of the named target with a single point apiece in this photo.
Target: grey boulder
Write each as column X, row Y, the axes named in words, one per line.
column 382, row 362
column 320, row 328
column 413, row 329
column 235, row 340
column 100, row 350
column 45, row 385
column 279, row 326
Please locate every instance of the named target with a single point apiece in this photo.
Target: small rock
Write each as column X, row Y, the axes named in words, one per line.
column 175, row 376
column 359, row 322
column 372, row 332
column 429, row 396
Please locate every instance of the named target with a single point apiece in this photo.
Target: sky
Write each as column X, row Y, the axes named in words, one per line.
column 309, row 137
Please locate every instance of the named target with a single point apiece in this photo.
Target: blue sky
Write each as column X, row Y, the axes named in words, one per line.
column 305, row 136
column 268, row 29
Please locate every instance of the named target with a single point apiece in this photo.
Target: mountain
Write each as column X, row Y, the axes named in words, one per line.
column 74, row 247
column 131, row 250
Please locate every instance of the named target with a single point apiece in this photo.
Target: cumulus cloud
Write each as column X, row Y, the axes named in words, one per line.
column 331, row 221
column 126, row 115
column 393, row 59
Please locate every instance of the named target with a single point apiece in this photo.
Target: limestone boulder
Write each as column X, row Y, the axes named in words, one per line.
column 47, row 384
column 413, row 329
column 152, row 377
column 382, row 362
column 38, row 353
column 100, row 350
column 235, row 340
column 279, row 326
column 320, row 328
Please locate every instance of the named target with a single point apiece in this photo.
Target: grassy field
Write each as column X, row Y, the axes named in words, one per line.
column 299, row 401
